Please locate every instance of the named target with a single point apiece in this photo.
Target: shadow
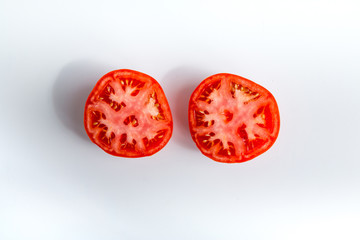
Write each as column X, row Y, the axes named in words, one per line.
column 178, row 85
column 70, row 91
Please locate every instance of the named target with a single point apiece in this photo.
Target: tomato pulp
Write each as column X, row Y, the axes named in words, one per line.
column 127, row 114
column 232, row 119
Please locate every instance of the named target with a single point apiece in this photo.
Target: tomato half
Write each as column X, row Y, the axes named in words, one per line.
column 232, row 119
column 127, row 114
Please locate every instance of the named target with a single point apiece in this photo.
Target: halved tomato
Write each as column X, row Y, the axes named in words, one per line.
column 127, row 114
column 233, row 119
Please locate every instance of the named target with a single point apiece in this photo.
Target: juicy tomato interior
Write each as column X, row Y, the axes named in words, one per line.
column 233, row 119
column 127, row 114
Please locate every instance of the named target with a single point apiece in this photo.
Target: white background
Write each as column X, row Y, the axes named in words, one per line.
column 56, row 184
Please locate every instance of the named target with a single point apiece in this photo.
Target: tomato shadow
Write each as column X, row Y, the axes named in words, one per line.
column 178, row 85
column 70, row 91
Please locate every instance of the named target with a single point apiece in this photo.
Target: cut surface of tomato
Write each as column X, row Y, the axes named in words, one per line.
column 127, row 114
column 232, row 119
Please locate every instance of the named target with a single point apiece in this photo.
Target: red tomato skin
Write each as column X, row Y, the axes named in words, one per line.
column 165, row 105
column 204, row 84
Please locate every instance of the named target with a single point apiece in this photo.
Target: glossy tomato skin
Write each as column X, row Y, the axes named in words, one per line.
column 232, row 119
column 127, row 114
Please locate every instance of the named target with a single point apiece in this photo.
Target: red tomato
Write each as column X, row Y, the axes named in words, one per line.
column 127, row 114
column 232, row 119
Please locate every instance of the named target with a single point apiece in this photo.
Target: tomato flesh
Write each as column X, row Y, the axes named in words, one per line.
column 233, row 119
column 127, row 114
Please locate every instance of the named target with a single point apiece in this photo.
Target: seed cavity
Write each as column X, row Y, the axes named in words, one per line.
column 243, row 93
column 131, row 120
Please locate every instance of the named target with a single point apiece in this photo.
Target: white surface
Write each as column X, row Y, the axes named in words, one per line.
column 56, row 184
